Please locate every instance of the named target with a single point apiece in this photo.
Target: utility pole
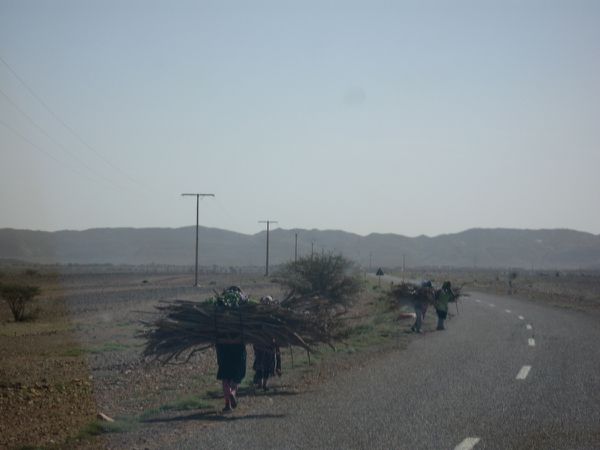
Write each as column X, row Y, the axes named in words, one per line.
column 197, row 225
column 296, row 248
column 268, row 222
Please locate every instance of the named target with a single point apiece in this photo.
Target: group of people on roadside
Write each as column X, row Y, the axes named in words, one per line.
column 231, row 360
column 438, row 298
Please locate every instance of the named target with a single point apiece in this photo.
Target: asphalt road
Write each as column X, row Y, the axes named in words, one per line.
column 506, row 374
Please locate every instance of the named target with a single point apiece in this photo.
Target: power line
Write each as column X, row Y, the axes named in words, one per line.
column 65, row 125
column 45, row 152
column 38, row 148
column 58, row 144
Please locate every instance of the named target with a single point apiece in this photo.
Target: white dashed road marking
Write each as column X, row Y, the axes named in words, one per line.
column 467, row 444
column 507, row 310
column 531, row 342
column 529, row 327
column 492, row 305
column 477, row 300
column 523, row 372
column 521, row 318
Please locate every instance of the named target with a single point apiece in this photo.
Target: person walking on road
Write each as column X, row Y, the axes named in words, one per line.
column 267, row 362
column 267, row 357
column 231, row 357
column 441, row 303
column 420, row 305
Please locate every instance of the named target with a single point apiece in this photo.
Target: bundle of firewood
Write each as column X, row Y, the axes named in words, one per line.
column 409, row 293
column 322, row 310
column 187, row 326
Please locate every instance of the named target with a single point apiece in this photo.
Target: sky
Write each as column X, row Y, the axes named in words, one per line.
column 371, row 117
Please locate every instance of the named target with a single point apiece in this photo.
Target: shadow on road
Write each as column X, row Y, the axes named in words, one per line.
column 213, row 416
column 249, row 391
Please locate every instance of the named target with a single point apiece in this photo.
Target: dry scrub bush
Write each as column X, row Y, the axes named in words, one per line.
column 331, row 277
column 17, row 297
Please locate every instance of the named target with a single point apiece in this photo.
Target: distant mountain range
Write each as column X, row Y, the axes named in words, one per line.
column 547, row 249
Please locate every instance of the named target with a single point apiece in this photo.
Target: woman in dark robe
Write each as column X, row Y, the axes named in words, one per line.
column 267, row 362
column 267, row 357
column 231, row 358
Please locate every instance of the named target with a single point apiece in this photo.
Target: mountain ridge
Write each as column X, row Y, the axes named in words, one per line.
column 480, row 247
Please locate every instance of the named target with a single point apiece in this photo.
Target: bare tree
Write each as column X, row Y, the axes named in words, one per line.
column 17, row 297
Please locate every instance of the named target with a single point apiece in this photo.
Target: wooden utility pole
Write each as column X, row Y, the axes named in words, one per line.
column 197, row 226
column 268, row 222
column 296, row 248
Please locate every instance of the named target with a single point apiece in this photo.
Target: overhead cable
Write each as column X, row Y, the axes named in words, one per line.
column 63, row 123
column 58, row 144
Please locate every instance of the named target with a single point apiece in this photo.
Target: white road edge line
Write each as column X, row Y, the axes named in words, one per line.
column 507, row 310
column 531, row 342
column 521, row 318
column 529, row 327
column 467, row 444
column 523, row 372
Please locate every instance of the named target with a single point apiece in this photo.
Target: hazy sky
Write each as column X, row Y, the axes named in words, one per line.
column 404, row 117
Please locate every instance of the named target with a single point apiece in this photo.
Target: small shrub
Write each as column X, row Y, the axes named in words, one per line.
column 330, row 276
column 18, row 297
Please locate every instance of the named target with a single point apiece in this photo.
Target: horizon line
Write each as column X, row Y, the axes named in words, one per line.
column 299, row 229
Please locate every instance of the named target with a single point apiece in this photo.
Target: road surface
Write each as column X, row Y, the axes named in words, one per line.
column 506, row 374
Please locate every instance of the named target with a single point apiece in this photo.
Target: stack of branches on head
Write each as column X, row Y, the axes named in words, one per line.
column 321, row 310
column 403, row 294
column 321, row 286
column 186, row 327
column 409, row 294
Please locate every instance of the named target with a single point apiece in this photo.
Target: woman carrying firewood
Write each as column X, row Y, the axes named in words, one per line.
column 444, row 296
column 231, row 359
column 420, row 304
column 267, row 357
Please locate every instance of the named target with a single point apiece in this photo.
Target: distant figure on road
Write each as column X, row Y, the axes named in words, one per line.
column 267, row 358
column 441, row 303
column 420, row 305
